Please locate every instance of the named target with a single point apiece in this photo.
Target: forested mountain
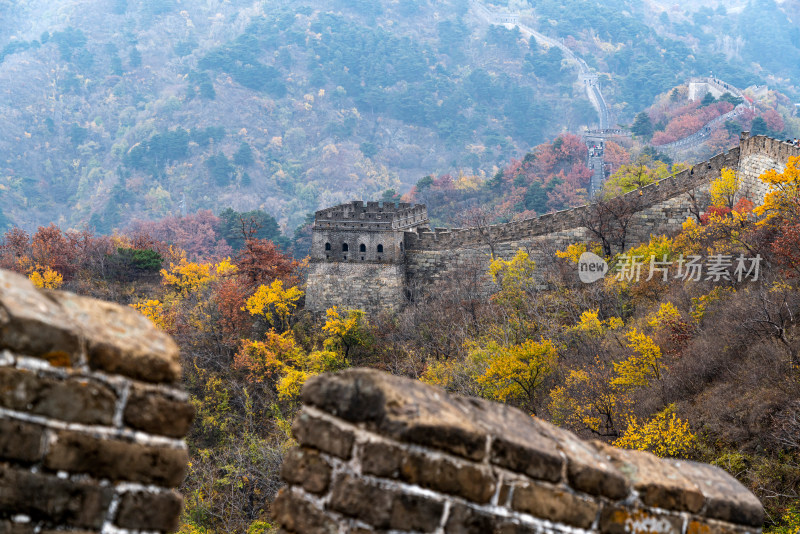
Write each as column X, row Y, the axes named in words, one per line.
column 162, row 136
column 115, row 110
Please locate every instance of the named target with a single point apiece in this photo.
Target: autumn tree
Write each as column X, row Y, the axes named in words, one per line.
column 609, row 220
column 723, row 190
column 516, row 373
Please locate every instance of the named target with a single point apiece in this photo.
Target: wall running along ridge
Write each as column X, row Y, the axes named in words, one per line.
column 431, row 257
column 91, row 416
column 379, row 452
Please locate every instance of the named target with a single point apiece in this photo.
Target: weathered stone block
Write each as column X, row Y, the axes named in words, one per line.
column 587, row 470
column 9, row 527
column 150, row 511
column 619, row 520
column 412, row 512
column 306, row 468
column 473, row 482
column 555, row 504
column 725, row 497
column 32, row 324
column 49, row 498
column 356, row 498
column 156, row 413
column 76, row 452
column 404, row 409
column 699, row 526
column 659, row 483
column 323, row 435
column 120, row 340
column 382, row 459
column 299, row 516
column 465, row 520
column 518, row 442
column 21, row 442
column 73, row 400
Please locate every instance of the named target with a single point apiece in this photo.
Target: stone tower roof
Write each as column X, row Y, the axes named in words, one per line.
column 381, row 215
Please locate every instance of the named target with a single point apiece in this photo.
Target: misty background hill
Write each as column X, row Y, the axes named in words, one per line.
column 115, row 110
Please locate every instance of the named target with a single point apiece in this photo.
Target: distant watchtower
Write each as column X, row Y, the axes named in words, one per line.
column 358, row 254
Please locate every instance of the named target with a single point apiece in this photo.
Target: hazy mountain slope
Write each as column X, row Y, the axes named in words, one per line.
column 330, row 105
column 115, row 109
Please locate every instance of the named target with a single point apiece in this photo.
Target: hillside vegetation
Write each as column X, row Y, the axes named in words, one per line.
column 120, row 110
column 698, row 359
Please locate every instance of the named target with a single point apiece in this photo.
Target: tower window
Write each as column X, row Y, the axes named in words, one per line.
column 362, row 247
column 380, row 249
column 327, row 246
column 345, row 248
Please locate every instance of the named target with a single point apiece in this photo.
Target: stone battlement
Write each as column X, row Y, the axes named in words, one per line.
column 650, row 195
column 422, row 258
column 356, row 215
column 91, row 416
column 379, row 452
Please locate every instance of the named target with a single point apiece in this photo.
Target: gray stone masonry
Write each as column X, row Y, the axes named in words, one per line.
column 426, row 258
column 91, row 416
column 381, row 453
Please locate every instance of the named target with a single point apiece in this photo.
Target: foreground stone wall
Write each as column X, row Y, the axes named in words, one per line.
column 381, row 453
column 91, row 416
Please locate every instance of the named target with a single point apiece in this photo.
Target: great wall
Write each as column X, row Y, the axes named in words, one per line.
column 380, row 453
column 417, row 258
column 698, row 87
column 92, row 416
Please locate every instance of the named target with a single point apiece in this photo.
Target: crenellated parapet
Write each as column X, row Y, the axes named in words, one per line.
column 382, row 453
column 696, row 177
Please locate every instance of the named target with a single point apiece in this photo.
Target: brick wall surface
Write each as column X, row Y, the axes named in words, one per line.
column 379, row 453
column 91, row 416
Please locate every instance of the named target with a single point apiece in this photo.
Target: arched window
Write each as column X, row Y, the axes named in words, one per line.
column 345, row 248
column 380, row 249
column 327, row 246
column 362, row 248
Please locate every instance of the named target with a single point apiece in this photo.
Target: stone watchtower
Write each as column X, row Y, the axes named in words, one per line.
column 358, row 255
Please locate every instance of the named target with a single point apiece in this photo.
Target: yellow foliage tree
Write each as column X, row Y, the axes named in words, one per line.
column 591, row 325
column 264, row 360
column 187, row 276
column 346, row 332
column 280, row 361
column 517, row 372
column 298, row 370
column 153, row 309
column 274, row 303
column 667, row 314
column 783, row 198
column 664, row 435
column 643, row 172
column 640, row 368
column 226, row 268
column 46, row 278
column 723, row 190
column 587, row 401
column 517, row 286
column 573, row 252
